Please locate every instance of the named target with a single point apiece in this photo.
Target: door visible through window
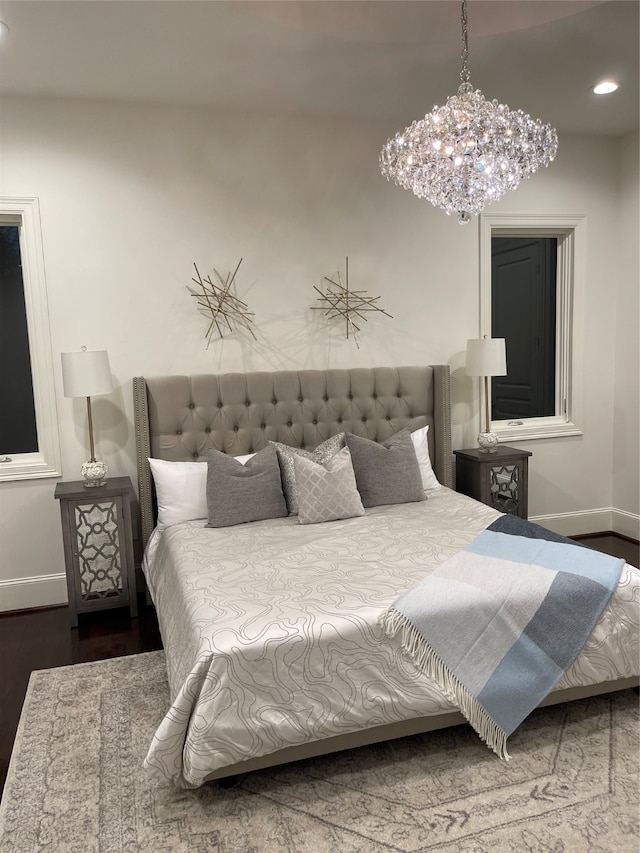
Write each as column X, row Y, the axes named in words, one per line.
column 523, row 312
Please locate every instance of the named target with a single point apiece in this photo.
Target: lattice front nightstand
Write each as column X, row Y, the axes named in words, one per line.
column 498, row 479
column 98, row 546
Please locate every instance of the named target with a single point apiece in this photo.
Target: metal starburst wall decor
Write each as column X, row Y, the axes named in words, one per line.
column 350, row 305
column 225, row 311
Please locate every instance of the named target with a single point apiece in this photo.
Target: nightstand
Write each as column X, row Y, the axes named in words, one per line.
column 98, row 546
column 499, row 479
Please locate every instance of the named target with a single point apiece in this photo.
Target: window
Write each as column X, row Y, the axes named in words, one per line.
column 29, row 444
column 530, row 266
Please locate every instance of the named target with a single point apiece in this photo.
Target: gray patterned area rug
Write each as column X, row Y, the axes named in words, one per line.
column 76, row 782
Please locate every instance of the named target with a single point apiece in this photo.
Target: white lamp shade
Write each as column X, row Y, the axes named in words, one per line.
column 486, row 357
column 86, row 373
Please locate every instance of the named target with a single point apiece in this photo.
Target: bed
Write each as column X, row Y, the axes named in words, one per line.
column 271, row 628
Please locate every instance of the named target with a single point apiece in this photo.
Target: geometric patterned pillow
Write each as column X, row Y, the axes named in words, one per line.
column 327, row 493
column 287, row 454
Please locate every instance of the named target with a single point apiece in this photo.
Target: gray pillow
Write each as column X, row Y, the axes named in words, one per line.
column 238, row 493
column 386, row 473
column 286, row 454
column 326, row 492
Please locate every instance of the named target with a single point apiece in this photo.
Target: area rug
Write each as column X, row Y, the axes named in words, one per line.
column 76, row 782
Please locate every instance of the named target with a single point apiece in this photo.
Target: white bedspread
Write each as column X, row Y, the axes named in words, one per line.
column 271, row 630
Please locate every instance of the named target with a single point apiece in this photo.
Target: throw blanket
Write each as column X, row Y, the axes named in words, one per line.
column 497, row 625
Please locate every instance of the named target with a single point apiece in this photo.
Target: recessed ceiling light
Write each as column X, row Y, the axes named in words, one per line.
column 4, row 29
column 605, row 88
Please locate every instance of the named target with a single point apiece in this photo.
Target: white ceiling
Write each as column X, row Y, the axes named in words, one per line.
column 372, row 59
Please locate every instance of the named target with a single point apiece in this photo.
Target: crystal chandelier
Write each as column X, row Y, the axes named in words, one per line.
column 468, row 153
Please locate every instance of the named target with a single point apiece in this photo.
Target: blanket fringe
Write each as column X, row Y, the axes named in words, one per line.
column 393, row 622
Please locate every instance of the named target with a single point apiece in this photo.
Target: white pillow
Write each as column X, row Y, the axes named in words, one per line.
column 421, row 447
column 181, row 490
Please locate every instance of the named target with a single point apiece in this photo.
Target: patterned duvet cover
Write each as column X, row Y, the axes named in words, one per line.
column 271, row 629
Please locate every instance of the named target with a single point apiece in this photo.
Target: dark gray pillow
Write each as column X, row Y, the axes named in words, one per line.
column 386, row 473
column 238, row 493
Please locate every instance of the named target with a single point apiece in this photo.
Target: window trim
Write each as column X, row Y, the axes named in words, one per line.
column 571, row 233
column 46, row 461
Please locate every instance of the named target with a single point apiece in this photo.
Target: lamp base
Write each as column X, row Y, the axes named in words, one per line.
column 94, row 473
column 487, row 442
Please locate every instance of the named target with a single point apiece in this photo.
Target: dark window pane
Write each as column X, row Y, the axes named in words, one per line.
column 17, row 413
column 523, row 312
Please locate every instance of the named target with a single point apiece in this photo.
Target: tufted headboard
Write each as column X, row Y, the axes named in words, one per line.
column 180, row 418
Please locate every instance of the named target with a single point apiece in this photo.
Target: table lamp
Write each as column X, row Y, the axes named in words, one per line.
column 486, row 357
column 87, row 374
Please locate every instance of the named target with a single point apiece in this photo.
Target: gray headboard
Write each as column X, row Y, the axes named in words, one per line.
column 180, row 418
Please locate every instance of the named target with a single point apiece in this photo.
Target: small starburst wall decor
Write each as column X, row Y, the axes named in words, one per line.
column 339, row 300
column 225, row 311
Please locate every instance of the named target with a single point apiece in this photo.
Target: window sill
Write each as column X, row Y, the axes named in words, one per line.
column 534, row 428
column 27, row 466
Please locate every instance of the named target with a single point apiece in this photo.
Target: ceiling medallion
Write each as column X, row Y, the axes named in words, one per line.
column 351, row 305
column 221, row 307
column 468, row 153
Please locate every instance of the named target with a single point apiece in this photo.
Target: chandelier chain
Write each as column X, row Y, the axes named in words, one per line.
column 465, row 74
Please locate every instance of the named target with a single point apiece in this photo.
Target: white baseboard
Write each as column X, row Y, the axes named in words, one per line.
column 625, row 523
column 592, row 521
column 39, row 591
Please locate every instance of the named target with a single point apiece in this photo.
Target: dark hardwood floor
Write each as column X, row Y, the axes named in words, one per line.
column 40, row 639
column 617, row 546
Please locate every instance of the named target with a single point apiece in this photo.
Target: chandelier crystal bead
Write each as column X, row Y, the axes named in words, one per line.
column 469, row 152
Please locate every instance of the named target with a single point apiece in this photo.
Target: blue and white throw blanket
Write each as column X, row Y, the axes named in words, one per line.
column 498, row 624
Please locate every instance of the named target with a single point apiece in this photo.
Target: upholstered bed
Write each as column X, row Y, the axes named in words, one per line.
column 271, row 628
